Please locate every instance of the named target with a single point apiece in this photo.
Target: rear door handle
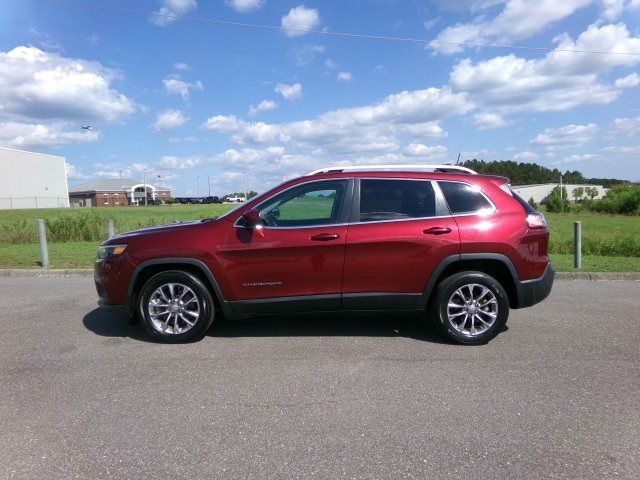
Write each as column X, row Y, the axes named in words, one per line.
column 437, row 231
column 324, row 237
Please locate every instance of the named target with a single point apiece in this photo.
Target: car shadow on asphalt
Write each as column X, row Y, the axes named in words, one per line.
column 108, row 324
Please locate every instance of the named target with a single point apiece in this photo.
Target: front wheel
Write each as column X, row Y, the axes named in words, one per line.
column 176, row 306
column 470, row 307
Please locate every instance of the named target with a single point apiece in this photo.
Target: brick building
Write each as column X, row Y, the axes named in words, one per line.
column 113, row 192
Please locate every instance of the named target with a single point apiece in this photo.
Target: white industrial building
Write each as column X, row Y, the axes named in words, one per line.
column 32, row 180
column 540, row 192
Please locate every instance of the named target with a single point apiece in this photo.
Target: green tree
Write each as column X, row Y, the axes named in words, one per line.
column 556, row 201
column 577, row 192
column 533, row 203
column 593, row 192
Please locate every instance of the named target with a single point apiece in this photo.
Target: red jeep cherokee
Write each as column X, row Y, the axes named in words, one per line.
column 438, row 239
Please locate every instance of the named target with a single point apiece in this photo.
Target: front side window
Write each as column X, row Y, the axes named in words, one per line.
column 382, row 200
column 317, row 203
column 463, row 198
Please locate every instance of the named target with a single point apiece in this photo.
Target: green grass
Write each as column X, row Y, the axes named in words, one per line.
column 83, row 254
column 19, row 249
column 64, row 224
column 595, row 263
column 61, row 255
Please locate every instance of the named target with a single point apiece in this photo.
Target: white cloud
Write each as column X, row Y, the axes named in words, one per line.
column 176, row 86
column 330, row 64
column 612, row 9
column 222, row 124
column 626, row 126
column 344, row 76
column 244, row 6
column 182, row 66
column 426, row 151
column 72, row 172
column 559, row 81
column 525, row 156
column 564, row 137
column 289, row 92
column 43, row 85
column 299, row 20
column 305, row 54
column 350, row 131
column 585, row 157
column 488, row 121
column 263, row 106
column 518, row 20
column 172, row 8
column 33, row 135
column 630, row 81
column 168, row 120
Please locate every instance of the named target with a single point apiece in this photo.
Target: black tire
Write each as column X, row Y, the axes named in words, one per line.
column 200, row 301
column 439, row 307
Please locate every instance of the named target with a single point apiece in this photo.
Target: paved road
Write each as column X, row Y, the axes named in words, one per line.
column 84, row 395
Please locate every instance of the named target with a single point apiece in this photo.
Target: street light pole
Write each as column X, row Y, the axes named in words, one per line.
column 198, row 187
column 144, row 173
column 246, row 195
column 209, row 184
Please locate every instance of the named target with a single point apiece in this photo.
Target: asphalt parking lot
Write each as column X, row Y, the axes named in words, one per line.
column 85, row 395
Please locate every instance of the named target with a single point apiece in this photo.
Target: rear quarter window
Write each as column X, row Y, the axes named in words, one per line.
column 464, row 198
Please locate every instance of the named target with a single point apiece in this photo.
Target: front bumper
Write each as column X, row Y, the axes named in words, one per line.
column 123, row 310
column 534, row 291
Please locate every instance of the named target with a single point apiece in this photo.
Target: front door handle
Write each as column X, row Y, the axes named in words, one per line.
column 324, row 237
column 437, row 231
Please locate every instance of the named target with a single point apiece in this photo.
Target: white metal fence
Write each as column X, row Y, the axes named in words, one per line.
column 9, row 203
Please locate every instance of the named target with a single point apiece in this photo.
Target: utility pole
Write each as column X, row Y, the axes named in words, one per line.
column 209, row 184
column 246, row 194
column 198, row 187
column 144, row 173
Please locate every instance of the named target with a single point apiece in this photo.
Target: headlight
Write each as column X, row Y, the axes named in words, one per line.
column 108, row 251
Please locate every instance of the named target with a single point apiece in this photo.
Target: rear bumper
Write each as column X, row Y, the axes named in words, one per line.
column 534, row 291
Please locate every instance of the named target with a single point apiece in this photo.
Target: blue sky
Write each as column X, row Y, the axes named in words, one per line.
column 184, row 99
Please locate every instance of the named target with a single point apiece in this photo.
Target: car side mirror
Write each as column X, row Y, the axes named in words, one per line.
column 252, row 218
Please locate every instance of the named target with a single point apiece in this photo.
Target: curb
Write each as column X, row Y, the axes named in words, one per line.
column 46, row 272
column 88, row 272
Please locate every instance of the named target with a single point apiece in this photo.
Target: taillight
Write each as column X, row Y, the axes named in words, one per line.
column 536, row 220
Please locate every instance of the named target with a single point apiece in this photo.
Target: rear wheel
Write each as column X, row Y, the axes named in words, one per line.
column 470, row 307
column 176, row 306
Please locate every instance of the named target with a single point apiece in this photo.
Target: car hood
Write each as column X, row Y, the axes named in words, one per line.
column 168, row 228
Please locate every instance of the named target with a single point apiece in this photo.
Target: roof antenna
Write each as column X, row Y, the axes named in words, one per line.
column 458, row 161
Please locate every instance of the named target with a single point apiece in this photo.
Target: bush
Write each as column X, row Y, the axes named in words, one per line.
column 86, row 226
column 532, row 203
column 622, row 199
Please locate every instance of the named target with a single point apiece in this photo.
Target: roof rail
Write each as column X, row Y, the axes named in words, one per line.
column 396, row 168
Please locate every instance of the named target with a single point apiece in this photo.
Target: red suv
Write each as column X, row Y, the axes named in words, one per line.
column 438, row 239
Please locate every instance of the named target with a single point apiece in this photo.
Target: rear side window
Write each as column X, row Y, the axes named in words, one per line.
column 463, row 198
column 527, row 208
column 396, row 200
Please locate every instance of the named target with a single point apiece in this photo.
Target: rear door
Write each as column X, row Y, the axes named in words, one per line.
column 400, row 231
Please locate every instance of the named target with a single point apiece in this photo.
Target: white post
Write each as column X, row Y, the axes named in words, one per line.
column 44, row 252
column 144, row 173
column 577, row 245
column 111, row 227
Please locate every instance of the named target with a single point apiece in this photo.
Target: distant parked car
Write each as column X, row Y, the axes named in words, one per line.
column 438, row 239
column 234, row 199
column 212, row 199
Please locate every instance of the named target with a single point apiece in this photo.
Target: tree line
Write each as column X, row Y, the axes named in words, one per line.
column 532, row 173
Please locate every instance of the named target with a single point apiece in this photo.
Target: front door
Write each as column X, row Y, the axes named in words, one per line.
column 297, row 252
column 401, row 231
